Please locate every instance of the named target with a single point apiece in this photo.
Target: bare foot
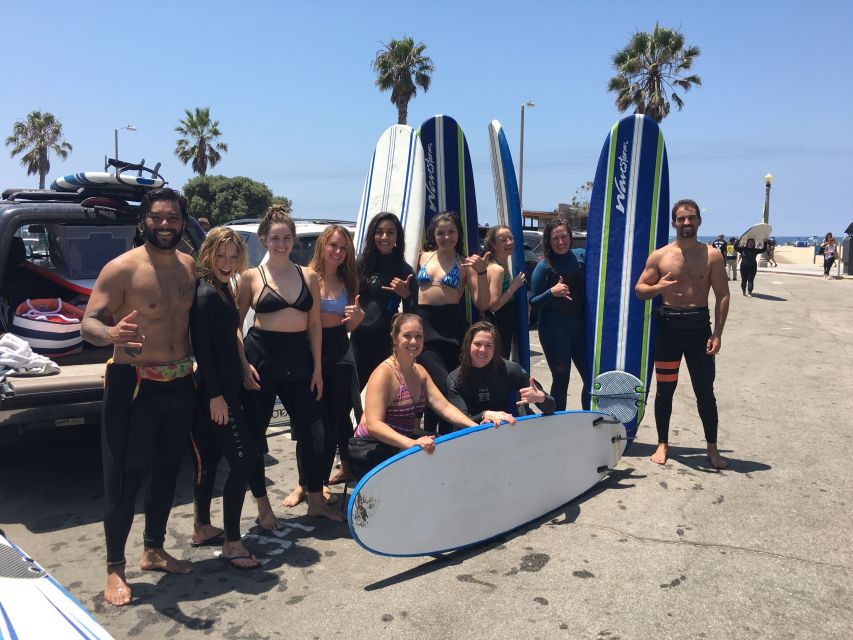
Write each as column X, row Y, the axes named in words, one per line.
column 117, row 592
column 266, row 517
column 317, row 507
column 205, row 534
column 660, row 456
column 717, row 461
column 341, row 475
column 159, row 560
column 239, row 556
column 328, row 496
column 295, row 497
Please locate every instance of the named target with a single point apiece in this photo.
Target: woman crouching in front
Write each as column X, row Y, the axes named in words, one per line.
column 397, row 393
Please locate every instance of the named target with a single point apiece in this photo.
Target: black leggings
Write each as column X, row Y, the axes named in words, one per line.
column 684, row 332
column 827, row 265
column 339, row 382
column 444, row 329
column 145, row 426
column 747, row 276
column 369, row 348
column 236, row 442
column 505, row 320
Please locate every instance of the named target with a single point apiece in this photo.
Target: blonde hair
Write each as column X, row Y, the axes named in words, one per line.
column 346, row 270
column 217, row 237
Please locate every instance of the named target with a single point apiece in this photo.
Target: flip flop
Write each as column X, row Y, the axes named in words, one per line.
column 230, row 560
column 215, row 541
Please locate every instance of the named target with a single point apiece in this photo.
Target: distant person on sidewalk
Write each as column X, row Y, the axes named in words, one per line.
column 731, row 258
column 720, row 244
column 829, row 249
column 683, row 273
column 769, row 251
column 748, row 265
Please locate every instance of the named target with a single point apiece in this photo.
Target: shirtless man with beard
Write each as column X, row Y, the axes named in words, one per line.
column 149, row 394
column 683, row 272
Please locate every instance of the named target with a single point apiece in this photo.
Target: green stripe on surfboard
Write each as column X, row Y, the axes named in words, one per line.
column 463, row 212
column 605, row 238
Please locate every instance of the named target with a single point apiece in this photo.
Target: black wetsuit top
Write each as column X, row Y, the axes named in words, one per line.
column 489, row 389
column 213, row 325
column 274, row 301
column 380, row 305
column 748, row 255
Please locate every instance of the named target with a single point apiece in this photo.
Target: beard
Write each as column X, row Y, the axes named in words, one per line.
column 154, row 240
column 687, row 232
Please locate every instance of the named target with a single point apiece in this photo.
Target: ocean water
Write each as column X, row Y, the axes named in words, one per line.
column 780, row 240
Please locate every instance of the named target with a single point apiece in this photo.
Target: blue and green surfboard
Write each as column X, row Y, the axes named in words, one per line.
column 450, row 184
column 628, row 220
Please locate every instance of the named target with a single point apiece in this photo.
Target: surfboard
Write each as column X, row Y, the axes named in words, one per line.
column 628, row 220
column 759, row 232
column 493, row 480
column 395, row 184
column 74, row 181
column 450, row 184
column 34, row 605
column 509, row 214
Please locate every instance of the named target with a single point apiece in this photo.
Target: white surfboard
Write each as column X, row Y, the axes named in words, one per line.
column 74, row 181
column 481, row 482
column 759, row 232
column 34, row 606
column 395, row 184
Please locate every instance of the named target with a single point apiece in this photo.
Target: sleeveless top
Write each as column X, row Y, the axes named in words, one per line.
column 451, row 279
column 403, row 413
column 334, row 305
column 273, row 300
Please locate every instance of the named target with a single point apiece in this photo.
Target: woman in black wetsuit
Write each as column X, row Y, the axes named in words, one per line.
column 748, row 265
column 488, row 387
column 385, row 281
column 283, row 354
column 442, row 279
column 220, row 428
column 334, row 263
column 503, row 307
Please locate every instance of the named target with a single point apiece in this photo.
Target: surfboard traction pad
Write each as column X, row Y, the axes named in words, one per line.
column 15, row 565
column 631, row 183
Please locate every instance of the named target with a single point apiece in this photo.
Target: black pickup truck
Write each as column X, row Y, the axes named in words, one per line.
column 53, row 244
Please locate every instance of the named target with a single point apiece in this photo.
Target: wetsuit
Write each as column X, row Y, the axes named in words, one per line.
column 340, row 388
column 684, row 331
column 505, row 319
column 145, row 425
column 371, row 341
column 285, row 365
column 748, row 266
column 491, row 388
column 402, row 415
column 214, row 320
column 444, row 330
column 561, row 324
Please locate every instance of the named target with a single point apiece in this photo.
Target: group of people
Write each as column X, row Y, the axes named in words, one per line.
column 342, row 325
column 731, row 250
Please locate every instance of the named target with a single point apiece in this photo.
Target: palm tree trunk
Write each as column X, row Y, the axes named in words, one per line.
column 402, row 112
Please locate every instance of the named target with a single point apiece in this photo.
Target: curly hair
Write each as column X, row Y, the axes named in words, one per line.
column 367, row 262
column 490, row 241
column 346, row 270
column 445, row 216
column 547, row 251
column 216, row 238
column 276, row 214
column 162, row 194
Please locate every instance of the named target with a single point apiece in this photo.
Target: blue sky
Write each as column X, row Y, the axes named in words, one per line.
column 292, row 87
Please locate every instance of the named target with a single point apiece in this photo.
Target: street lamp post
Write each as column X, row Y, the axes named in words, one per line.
column 530, row 104
column 768, row 180
column 129, row 127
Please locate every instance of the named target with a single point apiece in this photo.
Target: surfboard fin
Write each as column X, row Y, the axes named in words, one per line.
column 604, row 469
column 604, row 420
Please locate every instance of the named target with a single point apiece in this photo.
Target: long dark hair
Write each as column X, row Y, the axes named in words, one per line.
column 445, row 216
column 367, row 261
column 497, row 366
column 547, row 251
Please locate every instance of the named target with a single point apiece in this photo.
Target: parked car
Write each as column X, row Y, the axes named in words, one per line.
column 53, row 244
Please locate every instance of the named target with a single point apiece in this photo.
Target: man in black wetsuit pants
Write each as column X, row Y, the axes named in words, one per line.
column 683, row 272
column 149, row 394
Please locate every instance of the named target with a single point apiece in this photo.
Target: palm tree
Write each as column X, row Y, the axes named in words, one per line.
column 38, row 135
column 402, row 68
column 199, row 143
column 648, row 68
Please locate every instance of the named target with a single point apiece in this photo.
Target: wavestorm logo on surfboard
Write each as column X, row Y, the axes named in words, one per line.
column 432, row 191
column 622, row 182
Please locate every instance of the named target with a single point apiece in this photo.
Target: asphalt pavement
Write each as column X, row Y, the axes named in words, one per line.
column 761, row 550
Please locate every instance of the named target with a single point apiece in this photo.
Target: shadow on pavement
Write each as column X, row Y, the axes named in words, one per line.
column 765, row 296
column 565, row 514
column 697, row 458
